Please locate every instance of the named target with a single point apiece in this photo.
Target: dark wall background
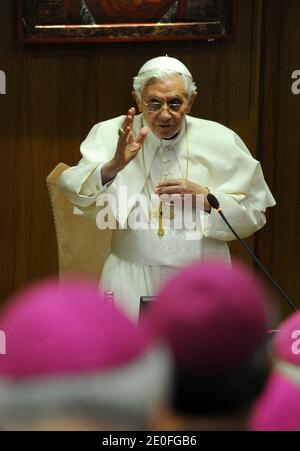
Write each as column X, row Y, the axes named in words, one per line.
column 55, row 93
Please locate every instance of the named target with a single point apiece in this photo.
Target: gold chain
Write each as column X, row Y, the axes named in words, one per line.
column 160, row 228
column 186, row 156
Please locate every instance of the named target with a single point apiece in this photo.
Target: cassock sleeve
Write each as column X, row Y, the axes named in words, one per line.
column 244, row 197
column 82, row 184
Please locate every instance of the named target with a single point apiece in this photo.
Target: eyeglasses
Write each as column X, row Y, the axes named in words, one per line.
column 173, row 106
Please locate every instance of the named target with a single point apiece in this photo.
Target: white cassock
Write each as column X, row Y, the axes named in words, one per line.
column 210, row 155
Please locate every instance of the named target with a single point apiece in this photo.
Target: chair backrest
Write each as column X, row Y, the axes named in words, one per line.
column 82, row 247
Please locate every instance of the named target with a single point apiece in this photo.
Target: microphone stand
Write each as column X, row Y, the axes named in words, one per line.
column 214, row 203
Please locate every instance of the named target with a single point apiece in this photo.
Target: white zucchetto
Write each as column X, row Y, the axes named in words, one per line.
column 165, row 63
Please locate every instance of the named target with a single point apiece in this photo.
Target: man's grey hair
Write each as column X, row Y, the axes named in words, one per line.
column 140, row 81
column 126, row 397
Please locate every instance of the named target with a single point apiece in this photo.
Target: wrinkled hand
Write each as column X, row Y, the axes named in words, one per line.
column 127, row 149
column 182, row 187
column 128, row 146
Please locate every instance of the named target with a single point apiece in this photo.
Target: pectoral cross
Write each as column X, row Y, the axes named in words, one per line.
column 160, row 215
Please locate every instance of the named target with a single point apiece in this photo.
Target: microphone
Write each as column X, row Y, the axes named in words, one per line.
column 214, row 203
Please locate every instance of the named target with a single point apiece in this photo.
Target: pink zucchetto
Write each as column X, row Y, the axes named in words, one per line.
column 278, row 409
column 212, row 316
column 71, row 354
column 54, row 328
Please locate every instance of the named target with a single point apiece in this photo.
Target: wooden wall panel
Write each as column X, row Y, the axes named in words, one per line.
column 55, row 93
column 278, row 244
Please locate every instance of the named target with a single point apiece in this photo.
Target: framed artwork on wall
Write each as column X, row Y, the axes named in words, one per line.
column 42, row 21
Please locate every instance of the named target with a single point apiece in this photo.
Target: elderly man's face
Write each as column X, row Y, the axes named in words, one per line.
column 165, row 123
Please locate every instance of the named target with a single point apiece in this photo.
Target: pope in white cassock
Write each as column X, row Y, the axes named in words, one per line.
column 164, row 151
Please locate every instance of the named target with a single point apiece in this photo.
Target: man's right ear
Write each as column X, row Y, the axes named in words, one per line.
column 138, row 102
column 191, row 101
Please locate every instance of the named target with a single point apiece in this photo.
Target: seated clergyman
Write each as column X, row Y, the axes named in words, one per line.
column 163, row 152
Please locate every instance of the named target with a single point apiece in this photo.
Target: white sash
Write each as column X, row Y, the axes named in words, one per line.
column 144, row 247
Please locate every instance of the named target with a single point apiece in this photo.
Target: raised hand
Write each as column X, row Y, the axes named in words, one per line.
column 129, row 146
column 127, row 149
